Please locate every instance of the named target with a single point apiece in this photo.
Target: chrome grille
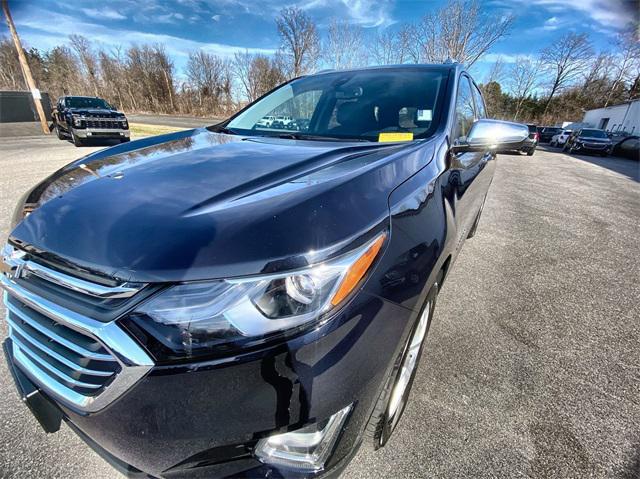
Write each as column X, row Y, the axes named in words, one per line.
column 78, row 361
column 84, row 363
column 95, row 122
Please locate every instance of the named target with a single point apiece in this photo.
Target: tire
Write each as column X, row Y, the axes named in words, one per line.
column 531, row 152
column 59, row 133
column 76, row 141
column 395, row 395
column 124, row 140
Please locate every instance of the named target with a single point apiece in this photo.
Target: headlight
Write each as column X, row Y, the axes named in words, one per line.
column 194, row 319
column 77, row 120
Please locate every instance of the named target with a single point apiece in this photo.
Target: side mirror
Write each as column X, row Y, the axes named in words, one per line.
column 493, row 135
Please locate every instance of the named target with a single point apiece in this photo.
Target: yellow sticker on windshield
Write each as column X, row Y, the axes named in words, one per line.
column 383, row 137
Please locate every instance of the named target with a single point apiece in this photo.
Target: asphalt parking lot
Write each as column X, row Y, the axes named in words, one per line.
column 532, row 364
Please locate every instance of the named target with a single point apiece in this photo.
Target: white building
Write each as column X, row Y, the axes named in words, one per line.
column 623, row 117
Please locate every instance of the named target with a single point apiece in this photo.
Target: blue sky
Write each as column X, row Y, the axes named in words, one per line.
column 226, row 26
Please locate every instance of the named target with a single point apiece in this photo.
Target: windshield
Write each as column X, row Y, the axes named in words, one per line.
column 349, row 105
column 552, row 130
column 594, row 134
column 81, row 102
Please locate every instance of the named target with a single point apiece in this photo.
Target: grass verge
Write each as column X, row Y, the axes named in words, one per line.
column 143, row 129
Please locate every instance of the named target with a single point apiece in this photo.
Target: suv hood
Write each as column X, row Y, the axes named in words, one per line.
column 594, row 140
column 94, row 111
column 199, row 205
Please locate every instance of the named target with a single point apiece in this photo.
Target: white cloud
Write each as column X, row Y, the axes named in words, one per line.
column 504, row 57
column 551, row 24
column 36, row 31
column 216, row 18
column 164, row 18
column 614, row 14
column 366, row 13
column 102, row 13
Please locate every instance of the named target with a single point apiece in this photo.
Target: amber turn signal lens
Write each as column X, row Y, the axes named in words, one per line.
column 358, row 270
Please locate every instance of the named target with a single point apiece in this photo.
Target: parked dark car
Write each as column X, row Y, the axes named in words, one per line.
column 588, row 140
column 83, row 118
column 531, row 142
column 628, row 148
column 547, row 132
column 301, row 124
column 225, row 301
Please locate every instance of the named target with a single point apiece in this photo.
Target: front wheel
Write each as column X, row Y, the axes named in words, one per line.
column 76, row 141
column 530, row 152
column 395, row 395
column 59, row 132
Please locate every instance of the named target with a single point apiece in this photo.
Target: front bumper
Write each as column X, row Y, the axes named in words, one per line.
column 88, row 133
column 593, row 147
column 203, row 419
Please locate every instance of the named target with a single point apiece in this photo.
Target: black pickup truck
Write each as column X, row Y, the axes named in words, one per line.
column 82, row 118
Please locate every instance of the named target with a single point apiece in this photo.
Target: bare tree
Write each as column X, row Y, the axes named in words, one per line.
column 300, row 41
column 87, row 59
column 497, row 71
column 461, row 31
column 598, row 68
column 113, row 75
column 149, row 72
column 63, row 74
column 241, row 67
column 209, row 77
column 523, row 79
column 257, row 74
column 383, row 50
column 345, row 47
column 627, row 65
column 267, row 73
column 407, row 49
column 566, row 60
column 10, row 73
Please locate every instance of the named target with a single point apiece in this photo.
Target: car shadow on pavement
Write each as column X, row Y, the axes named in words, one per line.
column 624, row 166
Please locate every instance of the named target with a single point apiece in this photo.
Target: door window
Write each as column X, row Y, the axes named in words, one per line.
column 465, row 113
column 480, row 107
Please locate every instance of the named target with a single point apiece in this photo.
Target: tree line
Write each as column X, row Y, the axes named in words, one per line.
column 558, row 83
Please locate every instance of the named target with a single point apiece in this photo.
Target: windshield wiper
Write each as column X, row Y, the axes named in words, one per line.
column 299, row 136
column 225, row 130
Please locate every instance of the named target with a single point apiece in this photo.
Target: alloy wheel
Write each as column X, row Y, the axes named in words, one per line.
column 404, row 377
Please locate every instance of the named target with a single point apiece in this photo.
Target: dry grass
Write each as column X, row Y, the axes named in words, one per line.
column 143, row 129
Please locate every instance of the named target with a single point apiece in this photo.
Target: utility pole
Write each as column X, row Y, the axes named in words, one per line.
column 26, row 71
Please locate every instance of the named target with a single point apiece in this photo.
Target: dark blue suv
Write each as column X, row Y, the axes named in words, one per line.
column 247, row 300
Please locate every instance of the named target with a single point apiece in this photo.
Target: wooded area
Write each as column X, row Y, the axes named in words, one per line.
column 566, row 77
